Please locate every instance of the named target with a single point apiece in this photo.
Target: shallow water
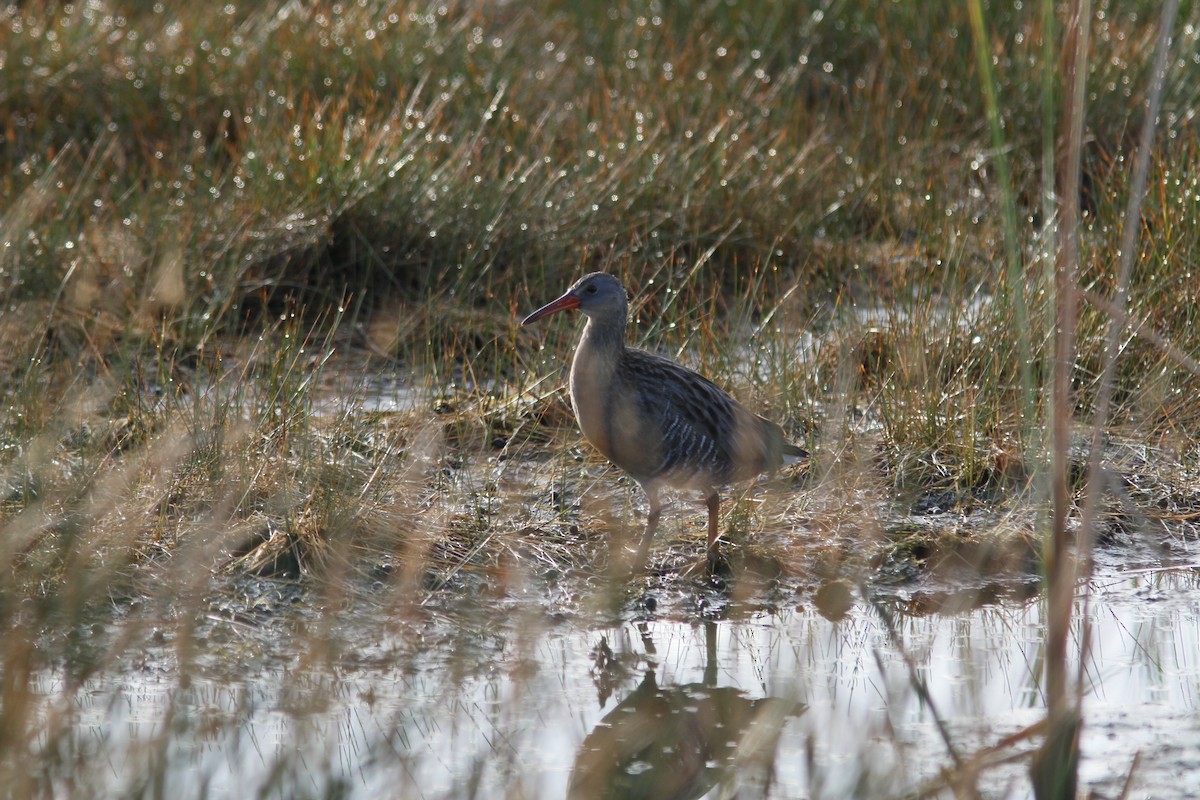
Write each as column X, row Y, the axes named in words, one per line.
column 488, row 699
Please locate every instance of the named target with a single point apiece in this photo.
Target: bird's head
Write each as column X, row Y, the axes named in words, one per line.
column 598, row 295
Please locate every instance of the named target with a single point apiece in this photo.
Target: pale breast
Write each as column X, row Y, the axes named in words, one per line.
column 613, row 417
column 589, row 394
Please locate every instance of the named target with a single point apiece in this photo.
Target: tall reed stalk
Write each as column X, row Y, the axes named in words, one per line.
column 1055, row 766
column 1014, row 276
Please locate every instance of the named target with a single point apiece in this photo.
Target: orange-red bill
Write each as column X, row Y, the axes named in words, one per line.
column 564, row 303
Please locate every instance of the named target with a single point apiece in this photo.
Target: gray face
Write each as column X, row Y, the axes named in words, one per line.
column 599, row 294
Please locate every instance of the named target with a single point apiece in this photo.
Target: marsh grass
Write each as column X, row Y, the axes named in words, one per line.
column 845, row 212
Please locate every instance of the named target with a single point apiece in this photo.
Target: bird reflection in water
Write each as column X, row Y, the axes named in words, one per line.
column 678, row 741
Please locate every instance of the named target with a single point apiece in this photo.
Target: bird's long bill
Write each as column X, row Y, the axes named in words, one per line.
column 564, row 303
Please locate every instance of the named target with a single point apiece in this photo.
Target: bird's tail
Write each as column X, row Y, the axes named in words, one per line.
column 793, row 454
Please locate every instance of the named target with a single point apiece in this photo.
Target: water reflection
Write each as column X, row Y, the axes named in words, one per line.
column 777, row 704
column 677, row 741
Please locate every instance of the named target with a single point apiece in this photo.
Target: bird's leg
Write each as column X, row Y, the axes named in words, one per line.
column 651, row 526
column 713, row 501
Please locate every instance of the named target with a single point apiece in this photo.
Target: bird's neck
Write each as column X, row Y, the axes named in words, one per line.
column 597, row 357
column 593, row 377
column 604, row 337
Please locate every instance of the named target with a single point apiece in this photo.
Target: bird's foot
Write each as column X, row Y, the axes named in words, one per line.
column 717, row 563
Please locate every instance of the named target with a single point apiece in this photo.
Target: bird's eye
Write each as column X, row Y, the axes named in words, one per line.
column 591, row 289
